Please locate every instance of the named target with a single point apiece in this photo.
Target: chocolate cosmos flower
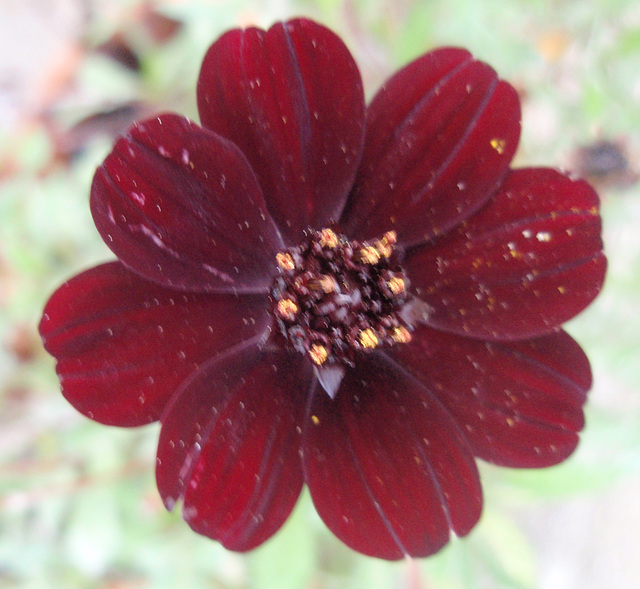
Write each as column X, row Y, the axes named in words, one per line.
column 310, row 292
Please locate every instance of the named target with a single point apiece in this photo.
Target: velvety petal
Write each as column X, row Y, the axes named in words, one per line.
column 526, row 263
column 518, row 403
column 291, row 98
column 389, row 471
column 180, row 206
column 440, row 136
column 124, row 345
column 230, row 442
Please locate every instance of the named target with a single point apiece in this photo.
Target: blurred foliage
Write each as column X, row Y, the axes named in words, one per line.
column 78, row 505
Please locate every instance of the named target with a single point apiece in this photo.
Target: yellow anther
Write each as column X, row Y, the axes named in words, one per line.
column 369, row 255
column 318, row 354
column 396, row 285
column 384, row 249
column 287, row 309
column 401, row 335
column 385, row 245
column 368, row 338
column 285, row 261
column 328, row 238
column 324, row 283
column 390, row 237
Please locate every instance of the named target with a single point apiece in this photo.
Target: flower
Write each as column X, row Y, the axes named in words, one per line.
column 310, row 292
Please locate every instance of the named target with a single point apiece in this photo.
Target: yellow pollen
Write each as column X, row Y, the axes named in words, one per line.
column 318, row 354
column 315, row 419
column 287, row 309
column 368, row 338
column 396, row 285
column 324, row 283
column 369, row 255
column 285, row 261
column 328, row 238
column 498, row 145
column 401, row 335
column 390, row 237
column 385, row 245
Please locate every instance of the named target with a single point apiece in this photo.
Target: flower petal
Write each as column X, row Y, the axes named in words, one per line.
column 440, row 136
column 526, row 263
column 229, row 445
column 518, row 403
column 100, row 326
column 180, row 206
column 291, row 98
column 388, row 470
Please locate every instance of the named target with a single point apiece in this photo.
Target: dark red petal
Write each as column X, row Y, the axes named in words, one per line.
column 291, row 98
column 519, row 403
column 180, row 206
column 440, row 136
column 230, row 442
column 388, row 469
column 530, row 260
column 124, row 345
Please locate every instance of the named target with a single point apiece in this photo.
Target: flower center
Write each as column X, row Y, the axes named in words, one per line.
column 335, row 297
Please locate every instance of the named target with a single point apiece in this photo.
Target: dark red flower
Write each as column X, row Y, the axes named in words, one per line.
column 310, row 292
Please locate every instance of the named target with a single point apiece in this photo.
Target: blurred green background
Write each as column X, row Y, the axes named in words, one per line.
column 78, row 504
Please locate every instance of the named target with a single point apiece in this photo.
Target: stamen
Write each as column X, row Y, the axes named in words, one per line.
column 401, row 335
column 287, row 309
column 285, row 261
column 368, row 338
column 368, row 255
column 318, row 354
column 396, row 285
column 328, row 238
column 390, row 237
column 385, row 245
column 336, row 298
column 324, row 283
